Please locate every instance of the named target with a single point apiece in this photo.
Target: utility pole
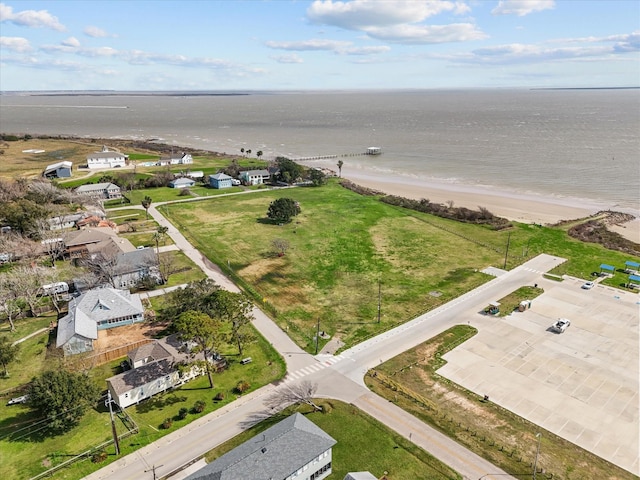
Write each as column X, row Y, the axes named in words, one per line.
column 113, row 424
column 317, row 336
column 379, row 301
column 153, row 469
column 506, row 253
column 535, row 462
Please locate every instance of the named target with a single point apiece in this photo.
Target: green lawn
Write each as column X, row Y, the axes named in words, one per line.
column 363, row 444
column 345, row 249
column 25, row 455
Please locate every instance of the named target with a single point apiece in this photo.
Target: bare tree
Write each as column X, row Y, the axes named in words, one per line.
column 9, row 301
column 280, row 245
column 27, row 284
column 103, row 266
column 297, row 393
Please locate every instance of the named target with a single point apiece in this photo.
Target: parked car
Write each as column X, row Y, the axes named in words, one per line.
column 588, row 285
column 235, row 182
column 17, row 400
column 561, row 325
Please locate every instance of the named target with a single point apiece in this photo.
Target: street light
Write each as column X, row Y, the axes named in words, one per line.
column 535, row 462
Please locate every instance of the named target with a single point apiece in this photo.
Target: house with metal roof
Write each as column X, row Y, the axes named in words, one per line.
column 106, row 159
column 220, row 180
column 181, row 158
column 182, row 182
column 135, row 266
column 97, row 309
column 293, row 449
column 100, row 190
column 58, row 170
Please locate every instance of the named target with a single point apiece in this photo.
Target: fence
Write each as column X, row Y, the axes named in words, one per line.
column 108, row 355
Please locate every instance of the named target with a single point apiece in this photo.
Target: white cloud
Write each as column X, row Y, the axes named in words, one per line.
column 309, row 45
column 522, row 7
column 428, row 34
column 16, row 44
column 96, row 32
column 71, row 42
column 290, row 58
column 361, row 14
column 30, row 18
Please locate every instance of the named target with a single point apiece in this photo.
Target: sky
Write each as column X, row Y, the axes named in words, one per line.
column 296, row 45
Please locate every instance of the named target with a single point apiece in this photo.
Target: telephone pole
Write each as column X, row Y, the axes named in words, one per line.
column 113, row 424
column 507, row 251
column 317, row 336
column 379, row 301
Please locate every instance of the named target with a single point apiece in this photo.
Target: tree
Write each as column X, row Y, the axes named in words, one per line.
column 289, row 171
column 302, row 392
column 9, row 300
column 8, row 353
column 249, row 151
column 62, row 398
column 317, row 177
column 195, row 296
column 259, row 153
column 282, row 210
column 242, row 151
column 27, row 284
column 235, row 309
column 146, row 203
column 340, row 164
column 200, row 328
column 160, row 235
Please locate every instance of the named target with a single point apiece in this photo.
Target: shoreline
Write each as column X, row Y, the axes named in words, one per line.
column 515, row 206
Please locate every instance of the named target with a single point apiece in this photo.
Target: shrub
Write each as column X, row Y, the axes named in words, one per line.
column 168, row 422
column 242, row 386
column 99, row 456
column 182, row 413
column 219, row 397
column 198, row 407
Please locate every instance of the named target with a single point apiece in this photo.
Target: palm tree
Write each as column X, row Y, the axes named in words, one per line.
column 242, row 151
column 158, row 236
column 249, row 151
column 340, row 164
column 259, row 153
column 146, row 203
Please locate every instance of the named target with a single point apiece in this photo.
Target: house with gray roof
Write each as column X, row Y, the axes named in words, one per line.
column 181, row 158
column 293, row 449
column 156, row 367
column 97, row 309
column 135, row 266
column 58, row 170
column 360, row 476
column 220, row 180
column 182, row 182
column 104, row 190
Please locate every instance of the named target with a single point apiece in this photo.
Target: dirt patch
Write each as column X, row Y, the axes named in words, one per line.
column 120, row 336
column 260, row 268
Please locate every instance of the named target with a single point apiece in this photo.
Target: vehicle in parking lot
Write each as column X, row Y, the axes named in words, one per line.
column 561, row 325
column 588, row 285
column 17, row 400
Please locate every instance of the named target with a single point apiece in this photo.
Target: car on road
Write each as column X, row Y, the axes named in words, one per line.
column 588, row 285
column 16, row 400
column 561, row 325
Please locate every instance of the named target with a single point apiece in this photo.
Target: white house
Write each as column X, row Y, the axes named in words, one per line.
column 255, row 177
column 156, row 367
column 176, row 159
column 293, row 449
column 106, row 159
column 100, row 190
column 97, row 309
column 182, row 182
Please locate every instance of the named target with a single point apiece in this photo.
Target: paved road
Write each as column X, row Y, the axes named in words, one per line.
column 339, row 377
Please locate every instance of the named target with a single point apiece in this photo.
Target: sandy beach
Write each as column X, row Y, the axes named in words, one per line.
column 521, row 207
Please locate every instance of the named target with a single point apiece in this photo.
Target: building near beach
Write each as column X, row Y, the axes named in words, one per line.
column 106, row 159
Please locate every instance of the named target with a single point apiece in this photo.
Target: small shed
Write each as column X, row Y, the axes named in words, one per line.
column 634, row 281
column 604, row 268
column 58, row 170
column 182, row 182
column 220, row 180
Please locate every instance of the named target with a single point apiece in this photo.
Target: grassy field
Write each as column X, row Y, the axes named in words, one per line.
column 366, row 445
column 345, row 249
column 508, row 441
column 27, row 454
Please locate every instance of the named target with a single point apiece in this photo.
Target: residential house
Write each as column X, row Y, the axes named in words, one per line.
column 220, row 180
column 293, row 449
column 196, row 174
column 182, row 182
column 106, row 159
column 91, row 241
column 176, row 159
column 135, row 266
column 157, row 367
column 97, row 309
column 65, row 222
column 255, row 177
column 106, row 191
column 58, row 170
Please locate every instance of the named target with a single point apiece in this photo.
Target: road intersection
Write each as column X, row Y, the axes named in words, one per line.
column 340, row 377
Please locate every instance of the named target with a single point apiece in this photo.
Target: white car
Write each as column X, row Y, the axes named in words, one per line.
column 561, row 325
column 17, row 400
column 235, row 181
column 588, row 285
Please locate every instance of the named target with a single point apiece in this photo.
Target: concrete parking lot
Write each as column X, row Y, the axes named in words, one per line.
column 581, row 385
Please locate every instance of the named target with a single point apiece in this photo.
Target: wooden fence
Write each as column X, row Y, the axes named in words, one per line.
column 109, row 355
